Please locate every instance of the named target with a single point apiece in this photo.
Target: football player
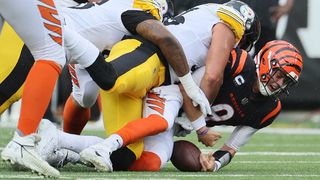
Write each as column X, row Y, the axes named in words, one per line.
column 249, row 97
column 250, row 30
column 113, row 20
column 39, row 25
column 200, row 45
column 229, row 32
column 248, row 100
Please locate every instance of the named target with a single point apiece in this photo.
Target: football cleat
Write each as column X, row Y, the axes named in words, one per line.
column 99, row 156
column 23, row 151
column 49, row 148
column 61, row 157
column 49, row 139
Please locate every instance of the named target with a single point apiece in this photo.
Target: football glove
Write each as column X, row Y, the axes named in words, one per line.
column 195, row 93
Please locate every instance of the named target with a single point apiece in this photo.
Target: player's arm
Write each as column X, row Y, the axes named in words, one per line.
column 205, row 135
column 150, row 28
column 223, row 41
column 222, row 157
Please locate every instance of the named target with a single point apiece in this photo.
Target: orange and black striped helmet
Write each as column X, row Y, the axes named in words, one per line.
column 278, row 55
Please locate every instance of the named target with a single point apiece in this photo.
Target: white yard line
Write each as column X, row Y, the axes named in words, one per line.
column 155, row 176
column 267, row 130
column 282, row 145
column 199, row 175
column 262, row 153
column 276, row 162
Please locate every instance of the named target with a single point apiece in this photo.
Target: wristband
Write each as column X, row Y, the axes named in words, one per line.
column 204, row 132
column 198, row 123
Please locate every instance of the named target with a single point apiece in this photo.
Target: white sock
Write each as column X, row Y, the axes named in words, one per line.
column 114, row 141
column 77, row 143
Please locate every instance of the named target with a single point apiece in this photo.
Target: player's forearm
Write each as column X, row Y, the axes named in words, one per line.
column 211, row 87
column 155, row 32
column 223, row 157
column 192, row 112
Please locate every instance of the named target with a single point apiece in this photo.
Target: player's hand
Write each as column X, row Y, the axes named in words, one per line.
column 207, row 162
column 196, row 94
column 207, row 136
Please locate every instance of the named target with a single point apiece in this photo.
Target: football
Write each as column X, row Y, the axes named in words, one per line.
column 185, row 156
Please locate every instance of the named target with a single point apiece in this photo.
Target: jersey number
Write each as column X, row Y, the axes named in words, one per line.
column 225, row 112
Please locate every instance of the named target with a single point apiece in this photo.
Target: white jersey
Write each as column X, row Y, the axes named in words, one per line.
column 193, row 29
column 101, row 23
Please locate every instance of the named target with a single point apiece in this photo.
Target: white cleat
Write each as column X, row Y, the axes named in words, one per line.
column 49, row 148
column 23, row 151
column 99, row 156
column 49, row 139
column 61, row 157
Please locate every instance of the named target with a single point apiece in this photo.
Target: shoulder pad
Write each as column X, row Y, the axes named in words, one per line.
column 233, row 19
column 152, row 6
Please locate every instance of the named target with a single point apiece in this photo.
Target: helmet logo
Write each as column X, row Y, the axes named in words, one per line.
column 248, row 15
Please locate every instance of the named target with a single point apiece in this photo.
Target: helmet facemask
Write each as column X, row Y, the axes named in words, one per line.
column 278, row 79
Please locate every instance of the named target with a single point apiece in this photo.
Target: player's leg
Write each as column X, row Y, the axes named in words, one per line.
column 160, row 111
column 137, row 74
column 161, row 106
column 84, row 94
column 158, row 148
column 15, row 66
column 39, row 26
column 157, row 152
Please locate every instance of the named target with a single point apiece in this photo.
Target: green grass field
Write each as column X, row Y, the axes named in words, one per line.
column 271, row 155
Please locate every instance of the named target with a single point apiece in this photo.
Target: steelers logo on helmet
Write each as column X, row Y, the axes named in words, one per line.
column 250, row 24
column 248, row 14
column 279, row 65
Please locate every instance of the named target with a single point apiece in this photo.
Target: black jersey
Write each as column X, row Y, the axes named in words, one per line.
column 236, row 104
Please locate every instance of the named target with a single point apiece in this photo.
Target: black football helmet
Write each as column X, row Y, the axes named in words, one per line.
column 252, row 24
column 169, row 11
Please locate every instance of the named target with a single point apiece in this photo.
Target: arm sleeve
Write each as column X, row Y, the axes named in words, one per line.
column 131, row 18
column 240, row 136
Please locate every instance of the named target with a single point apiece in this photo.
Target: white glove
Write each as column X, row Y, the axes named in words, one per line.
column 184, row 122
column 195, row 93
column 182, row 126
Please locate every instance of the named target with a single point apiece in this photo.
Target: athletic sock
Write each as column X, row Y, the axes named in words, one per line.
column 75, row 117
column 36, row 95
column 114, row 141
column 141, row 128
column 77, row 143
